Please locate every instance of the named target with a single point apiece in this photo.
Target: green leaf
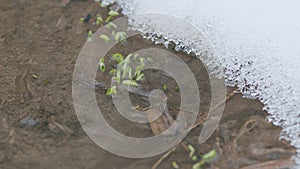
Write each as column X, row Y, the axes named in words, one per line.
column 103, row 5
column 194, row 158
column 99, row 19
column 209, row 156
column 105, row 38
column 192, row 150
column 113, row 13
column 165, row 87
column 149, row 59
column 90, row 34
column 140, row 77
column 81, row 20
column 118, row 57
column 140, row 67
column 108, row 19
column 175, row 165
column 111, row 25
column 197, row 166
column 112, row 71
column 130, row 83
column 111, row 91
column 101, row 65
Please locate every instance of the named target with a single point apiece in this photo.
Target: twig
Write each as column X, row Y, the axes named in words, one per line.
column 274, row 164
column 228, row 97
column 163, row 157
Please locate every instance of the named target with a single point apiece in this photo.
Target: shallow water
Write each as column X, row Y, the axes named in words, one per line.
column 257, row 41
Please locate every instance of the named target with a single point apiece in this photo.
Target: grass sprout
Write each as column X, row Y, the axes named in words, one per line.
column 90, row 34
column 101, row 65
column 175, row 165
column 120, row 36
column 118, row 57
column 130, row 83
column 111, row 91
column 105, row 38
column 99, row 19
column 111, row 25
column 111, row 14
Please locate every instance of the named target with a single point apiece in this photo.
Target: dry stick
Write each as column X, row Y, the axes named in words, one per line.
column 163, row 157
column 274, row 164
column 230, row 95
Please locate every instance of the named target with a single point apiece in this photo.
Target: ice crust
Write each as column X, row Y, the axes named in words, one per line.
column 258, row 43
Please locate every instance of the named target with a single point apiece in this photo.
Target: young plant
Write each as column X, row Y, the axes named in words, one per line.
column 111, row 25
column 111, row 91
column 165, row 87
column 111, row 14
column 99, row 20
column 101, row 65
column 120, row 37
column 206, row 158
column 118, row 57
column 105, row 38
column 90, row 34
column 175, row 165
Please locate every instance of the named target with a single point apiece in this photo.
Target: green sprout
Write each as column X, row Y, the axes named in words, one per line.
column 99, row 19
column 175, row 165
column 103, row 5
column 149, row 59
column 118, row 57
column 101, row 65
column 130, row 83
column 177, row 88
column 111, row 25
column 192, row 150
column 111, row 14
column 90, row 34
column 165, row 87
column 112, row 71
column 139, row 77
column 194, row 158
column 206, row 158
column 81, row 20
column 105, row 38
column 120, row 36
column 111, row 91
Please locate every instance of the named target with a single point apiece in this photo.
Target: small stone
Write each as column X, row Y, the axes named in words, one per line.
column 28, row 122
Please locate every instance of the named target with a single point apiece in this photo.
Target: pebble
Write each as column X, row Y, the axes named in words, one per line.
column 28, row 122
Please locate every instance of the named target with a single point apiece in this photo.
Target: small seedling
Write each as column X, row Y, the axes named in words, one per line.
column 165, row 87
column 205, row 159
column 46, row 82
column 177, row 89
column 175, row 165
column 112, row 71
column 35, row 76
column 149, row 59
column 120, row 36
column 111, row 25
column 105, row 38
column 130, row 83
column 81, row 20
column 118, row 57
column 103, row 5
column 101, row 65
column 111, row 91
column 90, row 34
column 111, row 14
column 192, row 150
column 99, row 19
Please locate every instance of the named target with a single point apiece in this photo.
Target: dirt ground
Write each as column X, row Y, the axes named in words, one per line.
column 39, row 44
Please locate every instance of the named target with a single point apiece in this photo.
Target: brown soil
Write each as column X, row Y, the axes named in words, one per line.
column 39, row 44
